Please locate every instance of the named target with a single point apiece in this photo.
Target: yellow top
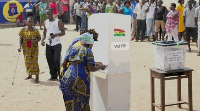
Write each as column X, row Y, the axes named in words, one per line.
column 180, row 9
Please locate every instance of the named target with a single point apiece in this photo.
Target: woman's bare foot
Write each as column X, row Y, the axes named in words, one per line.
column 37, row 79
column 29, row 77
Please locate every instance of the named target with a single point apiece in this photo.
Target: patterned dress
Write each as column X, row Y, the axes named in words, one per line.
column 75, row 83
column 30, row 52
column 171, row 21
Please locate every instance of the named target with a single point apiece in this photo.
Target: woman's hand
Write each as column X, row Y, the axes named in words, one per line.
column 43, row 43
column 103, row 67
column 98, row 64
column 35, row 42
column 19, row 50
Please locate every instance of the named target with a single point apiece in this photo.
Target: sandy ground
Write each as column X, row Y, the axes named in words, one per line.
column 24, row 94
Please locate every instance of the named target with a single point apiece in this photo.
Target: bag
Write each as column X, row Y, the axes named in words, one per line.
column 29, row 43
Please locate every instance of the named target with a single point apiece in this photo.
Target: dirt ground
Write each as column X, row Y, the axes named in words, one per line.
column 24, row 95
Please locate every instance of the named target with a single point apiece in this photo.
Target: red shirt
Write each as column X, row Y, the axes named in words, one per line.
column 20, row 18
column 53, row 5
column 65, row 2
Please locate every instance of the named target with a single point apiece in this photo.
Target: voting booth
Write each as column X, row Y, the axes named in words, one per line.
column 111, row 88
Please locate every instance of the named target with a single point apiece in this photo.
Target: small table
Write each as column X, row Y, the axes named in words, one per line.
column 170, row 75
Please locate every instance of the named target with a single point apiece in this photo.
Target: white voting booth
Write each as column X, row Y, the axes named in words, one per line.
column 111, row 88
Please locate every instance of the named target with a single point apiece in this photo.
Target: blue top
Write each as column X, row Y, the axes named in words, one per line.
column 127, row 11
column 133, row 3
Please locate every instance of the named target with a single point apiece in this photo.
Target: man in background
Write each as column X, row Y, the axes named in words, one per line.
column 60, row 11
column 42, row 6
column 53, row 6
column 66, row 10
column 118, row 5
column 189, row 23
column 29, row 8
column 78, row 14
column 195, row 4
column 197, row 22
column 133, row 4
column 140, row 13
column 36, row 14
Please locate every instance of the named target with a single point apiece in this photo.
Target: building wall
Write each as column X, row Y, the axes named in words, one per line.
column 10, row 9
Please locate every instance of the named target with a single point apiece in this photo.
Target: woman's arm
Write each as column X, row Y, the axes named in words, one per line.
column 121, row 11
column 174, row 15
column 64, row 64
column 20, row 44
column 96, row 68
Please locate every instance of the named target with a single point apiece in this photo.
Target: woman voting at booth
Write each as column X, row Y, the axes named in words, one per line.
column 75, row 81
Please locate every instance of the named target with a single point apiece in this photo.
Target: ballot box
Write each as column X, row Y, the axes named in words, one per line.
column 169, row 55
column 111, row 88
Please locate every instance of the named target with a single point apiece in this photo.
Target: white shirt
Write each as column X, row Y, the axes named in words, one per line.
column 141, row 14
column 28, row 7
column 76, row 7
column 197, row 13
column 189, row 17
column 52, row 27
column 150, row 13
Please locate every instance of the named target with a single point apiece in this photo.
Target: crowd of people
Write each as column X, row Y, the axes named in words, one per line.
column 38, row 11
column 150, row 18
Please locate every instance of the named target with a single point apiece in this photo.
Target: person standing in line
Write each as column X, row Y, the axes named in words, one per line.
column 73, row 15
column 180, row 9
column 140, row 13
column 118, row 5
column 197, row 22
column 133, row 18
column 126, row 10
column 53, row 30
column 149, row 20
column 29, row 8
column 78, row 14
column 160, row 18
column 66, row 10
column 53, row 6
column 98, row 5
column 36, row 14
column 189, row 23
column 172, row 23
column 42, row 6
column 103, row 8
column 60, row 12
column 83, row 15
column 29, row 38
column 110, row 7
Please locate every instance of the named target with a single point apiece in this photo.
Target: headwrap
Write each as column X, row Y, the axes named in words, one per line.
column 89, row 9
column 87, row 38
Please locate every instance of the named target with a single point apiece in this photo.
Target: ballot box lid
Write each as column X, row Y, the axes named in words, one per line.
column 169, row 43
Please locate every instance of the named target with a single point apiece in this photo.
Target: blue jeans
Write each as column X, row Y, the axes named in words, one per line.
column 150, row 27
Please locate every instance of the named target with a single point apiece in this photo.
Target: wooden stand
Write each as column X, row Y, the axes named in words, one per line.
column 170, row 75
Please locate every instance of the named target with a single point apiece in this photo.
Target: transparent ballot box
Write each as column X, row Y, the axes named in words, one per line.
column 169, row 55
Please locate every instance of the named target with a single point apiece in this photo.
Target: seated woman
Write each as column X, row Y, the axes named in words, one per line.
column 21, row 22
column 75, row 78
